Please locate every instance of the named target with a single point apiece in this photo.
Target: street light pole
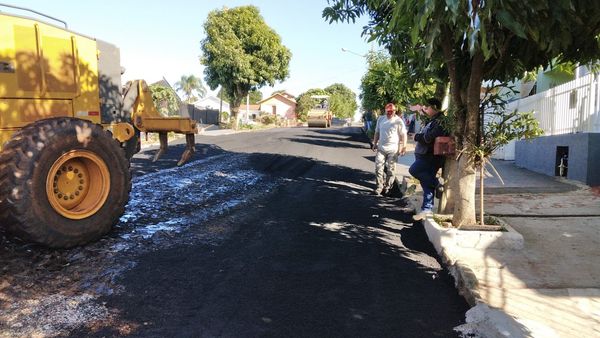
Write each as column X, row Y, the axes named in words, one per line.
column 362, row 56
column 352, row 52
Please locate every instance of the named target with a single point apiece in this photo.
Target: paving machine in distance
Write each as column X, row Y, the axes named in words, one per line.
column 68, row 130
column 320, row 115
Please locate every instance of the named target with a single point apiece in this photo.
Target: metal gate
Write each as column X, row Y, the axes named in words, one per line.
column 203, row 116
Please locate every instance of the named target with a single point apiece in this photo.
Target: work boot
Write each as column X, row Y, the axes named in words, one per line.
column 423, row 214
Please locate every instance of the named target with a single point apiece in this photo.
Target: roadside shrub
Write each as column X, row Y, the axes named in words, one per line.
column 281, row 122
column 224, row 116
column 226, row 124
column 247, row 126
column 268, row 119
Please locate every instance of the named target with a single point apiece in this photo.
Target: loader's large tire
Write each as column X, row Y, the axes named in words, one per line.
column 63, row 182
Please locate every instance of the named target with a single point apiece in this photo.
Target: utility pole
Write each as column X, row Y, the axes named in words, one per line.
column 247, row 106
column 220, row 103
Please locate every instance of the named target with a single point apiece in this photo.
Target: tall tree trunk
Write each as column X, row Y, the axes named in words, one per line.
column 464, row 207
column 450, row 186
column 481, row 178
column 235, row 109
column 456, row 107
column 220, row 103
column 234, row 117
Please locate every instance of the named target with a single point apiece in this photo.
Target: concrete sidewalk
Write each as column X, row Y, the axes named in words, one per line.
column 550, row 287
column 214, row 130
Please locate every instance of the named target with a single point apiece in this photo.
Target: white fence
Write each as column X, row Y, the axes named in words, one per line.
column 572, row 107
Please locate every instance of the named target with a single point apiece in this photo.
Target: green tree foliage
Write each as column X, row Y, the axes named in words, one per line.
column 387, row 81
column 342, row 100
column 164, row 99
column 476, row 41
column 241, row 53
column 255, row 96
column 190, row 85
column 501, row 127
column 304, row 102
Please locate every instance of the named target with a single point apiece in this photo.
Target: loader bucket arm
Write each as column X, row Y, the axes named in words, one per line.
column 137, row 100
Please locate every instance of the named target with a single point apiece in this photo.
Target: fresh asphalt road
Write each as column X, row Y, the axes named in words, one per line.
column 316, row 256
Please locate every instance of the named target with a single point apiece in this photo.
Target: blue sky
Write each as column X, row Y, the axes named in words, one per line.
column 162, row 38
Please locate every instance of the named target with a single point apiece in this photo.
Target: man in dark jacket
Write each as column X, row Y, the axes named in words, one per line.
column 427, row 164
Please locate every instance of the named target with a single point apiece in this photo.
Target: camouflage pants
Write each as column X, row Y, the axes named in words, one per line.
column 385, row 169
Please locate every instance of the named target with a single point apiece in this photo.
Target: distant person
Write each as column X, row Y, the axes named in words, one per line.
column 427, row 164
column 389, row 142
column 368, row 118
column 411, row 123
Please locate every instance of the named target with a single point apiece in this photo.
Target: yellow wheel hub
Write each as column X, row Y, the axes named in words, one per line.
column 78, row 184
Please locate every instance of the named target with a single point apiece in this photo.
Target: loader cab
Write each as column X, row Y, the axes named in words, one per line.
column 48, row 71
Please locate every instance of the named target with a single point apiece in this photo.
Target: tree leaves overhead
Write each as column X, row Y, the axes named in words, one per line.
column 387, row 81
column 255, row 96
column 514, row 35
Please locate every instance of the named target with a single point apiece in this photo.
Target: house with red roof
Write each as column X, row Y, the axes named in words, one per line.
column 282, row 104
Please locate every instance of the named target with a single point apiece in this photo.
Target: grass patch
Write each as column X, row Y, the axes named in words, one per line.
column 492, row 223
column 491, row 220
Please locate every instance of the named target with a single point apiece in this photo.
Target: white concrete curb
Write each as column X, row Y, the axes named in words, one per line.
column 483, row 321
column 442, row 237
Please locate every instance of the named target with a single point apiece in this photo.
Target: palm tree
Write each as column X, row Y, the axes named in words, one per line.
column 189, row 84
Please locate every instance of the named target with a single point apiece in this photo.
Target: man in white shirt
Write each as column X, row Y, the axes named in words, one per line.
column 390, row 141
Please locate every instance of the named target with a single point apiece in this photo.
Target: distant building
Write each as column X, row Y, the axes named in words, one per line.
column 288, row 95
column 249, row 112
column 213, row 103
column 567, row 108
column 282, row 104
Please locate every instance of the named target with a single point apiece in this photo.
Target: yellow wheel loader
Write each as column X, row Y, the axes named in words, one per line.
column 67, row 132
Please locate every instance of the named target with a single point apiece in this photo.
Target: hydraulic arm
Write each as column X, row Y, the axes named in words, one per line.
column 137, row 100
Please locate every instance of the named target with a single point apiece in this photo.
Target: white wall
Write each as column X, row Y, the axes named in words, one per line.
column 211, row 102
column 282, row 109
column 569, row 108
column 506, row 152
column 573, row 107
